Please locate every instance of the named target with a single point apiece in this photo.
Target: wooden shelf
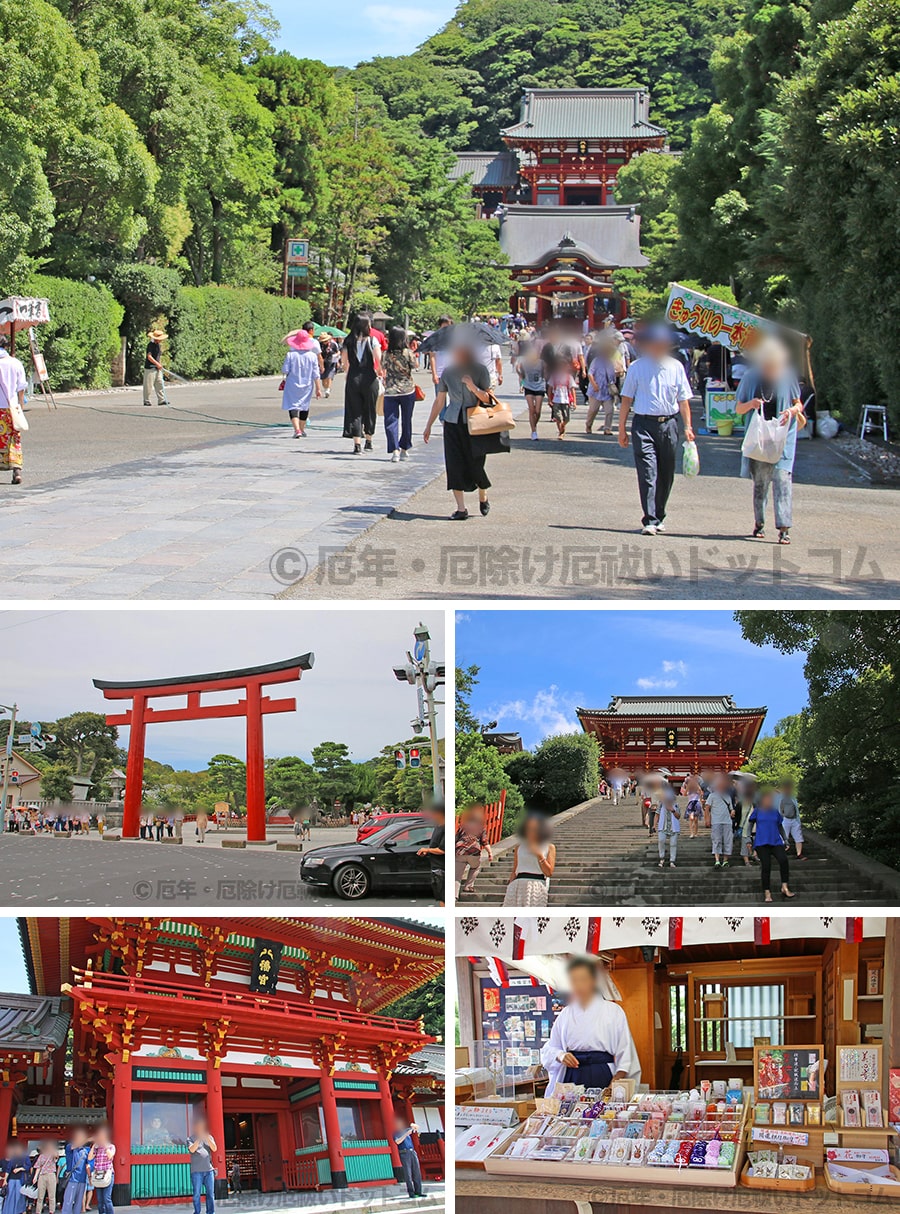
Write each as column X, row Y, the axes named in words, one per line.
column 870, row 998
column 753, row 1019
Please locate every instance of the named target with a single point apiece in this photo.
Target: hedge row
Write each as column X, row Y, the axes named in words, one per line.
column 214, row 332
column 82, row 337
column 223, row 332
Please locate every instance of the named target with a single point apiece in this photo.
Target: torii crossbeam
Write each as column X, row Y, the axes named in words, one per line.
column 254, row 706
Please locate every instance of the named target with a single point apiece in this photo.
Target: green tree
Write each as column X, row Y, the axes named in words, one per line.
column 566, row 771
column 335, row 771
column 775, row 757
column 465, row 684
column 292, row 782
column 226, row 780
column 427, row 1003
column 848, row 739
column 56, row 783
column 85, row 744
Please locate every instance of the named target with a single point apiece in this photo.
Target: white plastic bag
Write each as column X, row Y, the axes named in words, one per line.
column 690, row 458
column 764, row 440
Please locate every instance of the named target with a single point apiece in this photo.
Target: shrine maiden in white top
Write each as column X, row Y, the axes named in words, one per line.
column 590, row 1042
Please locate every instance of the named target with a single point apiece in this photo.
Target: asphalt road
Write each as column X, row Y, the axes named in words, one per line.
column 49, row 871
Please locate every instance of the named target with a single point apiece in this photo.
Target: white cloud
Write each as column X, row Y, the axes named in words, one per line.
column 676, row 671
column 399, row 20
column 676, row 667
column 548, row 711
column 463, row 617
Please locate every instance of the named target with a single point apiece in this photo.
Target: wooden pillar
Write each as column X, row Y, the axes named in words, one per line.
column 387, row 1116
column 891, row 1002
column 7, row 1092
column 134, row 768
column 256, row 770
column 332, row 1132
column 215, row 1116
column 119, row 1093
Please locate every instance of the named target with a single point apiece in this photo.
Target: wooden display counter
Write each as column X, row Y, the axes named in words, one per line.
column 491, row 1194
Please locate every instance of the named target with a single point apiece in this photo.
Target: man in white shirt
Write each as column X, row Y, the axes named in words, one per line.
column 590, row 1042
column 12, row 389
column 657, row 389
column 490, row 357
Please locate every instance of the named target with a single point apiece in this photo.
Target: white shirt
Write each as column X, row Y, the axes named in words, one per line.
column 656, row 387
column 601, row 1026
column 12, row 379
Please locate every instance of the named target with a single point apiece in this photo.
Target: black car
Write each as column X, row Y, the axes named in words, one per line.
column 385, row 862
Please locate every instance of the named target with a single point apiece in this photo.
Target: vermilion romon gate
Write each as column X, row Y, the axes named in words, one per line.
column 254, row 706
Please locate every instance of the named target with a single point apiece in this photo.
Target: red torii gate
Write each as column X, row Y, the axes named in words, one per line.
column 253, row 706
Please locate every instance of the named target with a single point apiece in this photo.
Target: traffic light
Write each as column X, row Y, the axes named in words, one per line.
column 414, row 759
column 405, row 674
column 400, row 759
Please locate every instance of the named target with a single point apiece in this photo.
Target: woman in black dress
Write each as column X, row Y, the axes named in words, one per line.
column 361, row 360
column 464, row 384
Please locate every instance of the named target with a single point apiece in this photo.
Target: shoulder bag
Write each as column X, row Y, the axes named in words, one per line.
column 493, row 418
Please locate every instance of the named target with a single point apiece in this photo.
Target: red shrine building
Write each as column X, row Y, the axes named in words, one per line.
column 553, row 190
column 273, row 1028
column 674, row 735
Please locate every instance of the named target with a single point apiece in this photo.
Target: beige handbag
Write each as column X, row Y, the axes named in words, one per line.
column 493, row 418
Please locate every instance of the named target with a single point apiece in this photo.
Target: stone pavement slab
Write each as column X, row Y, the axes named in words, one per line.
column 230, row 517
column 565, row 523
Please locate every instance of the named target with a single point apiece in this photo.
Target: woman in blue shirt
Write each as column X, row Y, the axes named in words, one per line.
column 770, row 844
column 771, row 387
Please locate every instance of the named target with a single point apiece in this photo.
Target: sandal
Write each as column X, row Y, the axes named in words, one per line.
column 17, row 476
column 759, row 533
column 784, row 537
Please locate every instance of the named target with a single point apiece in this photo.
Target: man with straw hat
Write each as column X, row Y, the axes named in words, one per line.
column 153, row 375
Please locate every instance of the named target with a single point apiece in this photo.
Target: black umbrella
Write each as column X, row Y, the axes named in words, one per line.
column 471, row 331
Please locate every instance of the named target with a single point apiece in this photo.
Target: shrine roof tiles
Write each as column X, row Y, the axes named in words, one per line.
column 429, row 1061
column 661, row 706
column 33, row 1022
column 48, row 1114
column 549, row 114
column 604, row 236
column 488, row 170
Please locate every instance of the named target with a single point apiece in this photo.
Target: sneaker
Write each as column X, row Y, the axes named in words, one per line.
column 534, row 436
column 718, row 864
column 395, row 457
column 327, row 393
column 660, row 527
column 649, row 529
column 724, row 863
column 404, row 455
column 368, row 444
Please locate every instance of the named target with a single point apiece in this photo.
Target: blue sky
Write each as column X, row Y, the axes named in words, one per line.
column 537, row 667
column 12, row 963
column 342, row 33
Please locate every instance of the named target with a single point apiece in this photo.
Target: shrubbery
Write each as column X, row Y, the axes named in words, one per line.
column 215, row 332
column 562, row 772
column 223, row 332
column 82, row 337
column 149, row 295
column 481, row 778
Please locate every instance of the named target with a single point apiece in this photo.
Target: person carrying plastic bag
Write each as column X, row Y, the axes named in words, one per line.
column 770, row 392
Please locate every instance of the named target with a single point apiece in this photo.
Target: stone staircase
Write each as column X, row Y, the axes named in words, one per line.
column 604, row 857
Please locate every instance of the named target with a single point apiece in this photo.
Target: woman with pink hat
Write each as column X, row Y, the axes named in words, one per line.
column 302, row 373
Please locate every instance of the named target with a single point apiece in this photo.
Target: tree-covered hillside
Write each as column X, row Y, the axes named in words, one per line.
column 465, row 83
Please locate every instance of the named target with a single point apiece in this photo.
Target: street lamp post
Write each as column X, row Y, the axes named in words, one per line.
column 426, row 676
column 12, row 709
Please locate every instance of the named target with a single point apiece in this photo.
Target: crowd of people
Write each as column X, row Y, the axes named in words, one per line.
column 81, row 1172
column 749, row 822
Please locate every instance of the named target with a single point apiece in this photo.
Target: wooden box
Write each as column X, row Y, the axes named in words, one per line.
column 777, row 1185
column 865, row 1190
